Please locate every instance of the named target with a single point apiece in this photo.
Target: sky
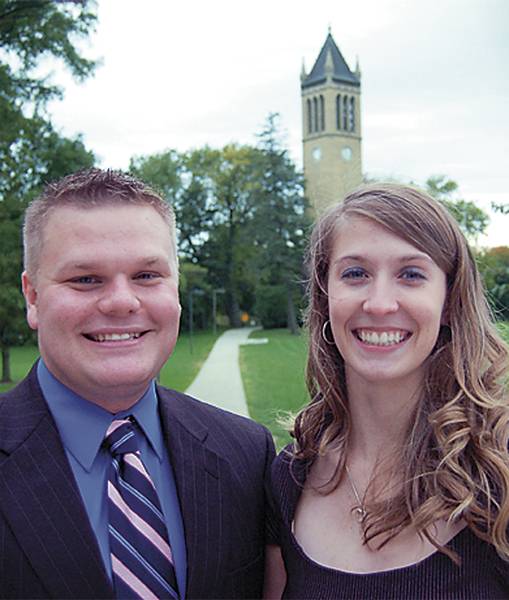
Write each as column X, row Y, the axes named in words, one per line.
column 435, row 83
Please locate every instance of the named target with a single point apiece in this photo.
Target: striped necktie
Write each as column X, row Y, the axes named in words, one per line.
column 141, row 558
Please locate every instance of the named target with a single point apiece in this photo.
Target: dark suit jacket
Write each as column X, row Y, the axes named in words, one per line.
column 47, row 547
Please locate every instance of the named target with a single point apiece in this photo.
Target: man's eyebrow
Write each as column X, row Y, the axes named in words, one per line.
column 148, row 260
column 80, row 266
column 151, row 260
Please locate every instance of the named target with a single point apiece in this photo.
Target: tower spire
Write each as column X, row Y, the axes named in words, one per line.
column 331, row 126
column 329, row 65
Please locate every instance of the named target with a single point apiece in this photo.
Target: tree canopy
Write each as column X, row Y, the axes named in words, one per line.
column 472, row 219
column 32, row 31
column 280, row 225
column 494, row 266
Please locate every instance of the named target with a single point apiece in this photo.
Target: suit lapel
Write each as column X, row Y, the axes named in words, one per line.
column 202, row 480
column 41, row 502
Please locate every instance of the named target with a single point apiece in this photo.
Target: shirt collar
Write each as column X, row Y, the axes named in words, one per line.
column 82, row 424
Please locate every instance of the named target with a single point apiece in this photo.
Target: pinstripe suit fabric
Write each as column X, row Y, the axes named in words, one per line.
column 47, row 547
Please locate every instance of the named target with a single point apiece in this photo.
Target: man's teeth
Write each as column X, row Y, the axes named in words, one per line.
column 385, row 338
column 115, row 337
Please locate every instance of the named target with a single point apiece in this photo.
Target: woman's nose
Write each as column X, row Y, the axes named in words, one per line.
column 381, row 298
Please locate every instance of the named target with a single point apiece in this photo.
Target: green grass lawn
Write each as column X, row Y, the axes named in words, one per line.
column 273, row 376
column 22, row 360
column 178, row 372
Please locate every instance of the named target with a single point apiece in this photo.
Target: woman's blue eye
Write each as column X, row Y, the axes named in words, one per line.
column 353, row 273
column 412, row 274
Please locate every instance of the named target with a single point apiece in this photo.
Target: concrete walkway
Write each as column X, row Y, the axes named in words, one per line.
column 219, row 381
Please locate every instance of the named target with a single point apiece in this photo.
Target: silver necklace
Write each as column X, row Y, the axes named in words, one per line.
column 359, row 511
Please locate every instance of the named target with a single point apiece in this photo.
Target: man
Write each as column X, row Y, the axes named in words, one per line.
column 101, row 288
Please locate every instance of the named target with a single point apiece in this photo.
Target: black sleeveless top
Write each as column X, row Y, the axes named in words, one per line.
column 482, row 574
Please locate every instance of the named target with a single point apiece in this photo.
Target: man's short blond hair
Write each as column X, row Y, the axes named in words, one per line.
column 90, row 188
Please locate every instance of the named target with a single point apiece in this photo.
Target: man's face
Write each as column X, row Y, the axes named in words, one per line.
column 105, row 300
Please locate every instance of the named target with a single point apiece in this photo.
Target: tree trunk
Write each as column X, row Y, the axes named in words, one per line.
column 232, row 309
column 6, row 365
column 290, row 312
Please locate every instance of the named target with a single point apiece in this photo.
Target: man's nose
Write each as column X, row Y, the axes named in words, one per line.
column 381, row 298
column 119, row 298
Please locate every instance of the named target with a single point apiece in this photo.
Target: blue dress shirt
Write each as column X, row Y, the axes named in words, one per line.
column 82, row 426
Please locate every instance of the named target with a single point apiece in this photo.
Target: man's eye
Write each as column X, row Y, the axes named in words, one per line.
column 354, row 273
column 85, row 280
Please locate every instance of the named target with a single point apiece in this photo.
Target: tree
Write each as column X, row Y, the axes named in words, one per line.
column 224, row 252
column 494, row 267
column 33, row 29
column 31, row 151
column 472, row 219
column 280, row 222
column 162, row 171
column 30, row 31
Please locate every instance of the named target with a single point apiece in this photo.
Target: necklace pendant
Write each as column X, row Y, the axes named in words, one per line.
column 359, row 512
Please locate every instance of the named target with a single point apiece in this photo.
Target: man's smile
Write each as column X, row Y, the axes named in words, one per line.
column 114, row 337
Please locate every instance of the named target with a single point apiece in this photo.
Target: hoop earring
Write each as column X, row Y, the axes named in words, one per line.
column 324, row 334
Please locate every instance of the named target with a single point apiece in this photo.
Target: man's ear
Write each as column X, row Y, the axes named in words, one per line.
column 30, row 293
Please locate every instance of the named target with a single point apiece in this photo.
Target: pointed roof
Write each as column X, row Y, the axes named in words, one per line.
column 330, row 56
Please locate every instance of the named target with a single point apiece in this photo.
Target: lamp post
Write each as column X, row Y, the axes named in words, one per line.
column 214, row 307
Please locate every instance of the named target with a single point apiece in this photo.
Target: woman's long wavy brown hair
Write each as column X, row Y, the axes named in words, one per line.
column 455, row 458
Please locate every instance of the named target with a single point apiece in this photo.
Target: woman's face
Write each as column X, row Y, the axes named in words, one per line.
column 386, row 301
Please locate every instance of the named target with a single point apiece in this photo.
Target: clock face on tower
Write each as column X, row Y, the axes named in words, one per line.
column 346, row 153
column 316, row 153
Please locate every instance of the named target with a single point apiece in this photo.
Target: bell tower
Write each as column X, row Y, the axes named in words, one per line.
column 331, row 127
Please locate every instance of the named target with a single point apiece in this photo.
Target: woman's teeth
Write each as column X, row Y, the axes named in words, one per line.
column 384, row 338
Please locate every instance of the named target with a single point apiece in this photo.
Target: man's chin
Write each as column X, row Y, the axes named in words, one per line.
column 114, row 389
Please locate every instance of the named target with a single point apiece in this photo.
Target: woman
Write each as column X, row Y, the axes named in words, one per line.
column 397, row 483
